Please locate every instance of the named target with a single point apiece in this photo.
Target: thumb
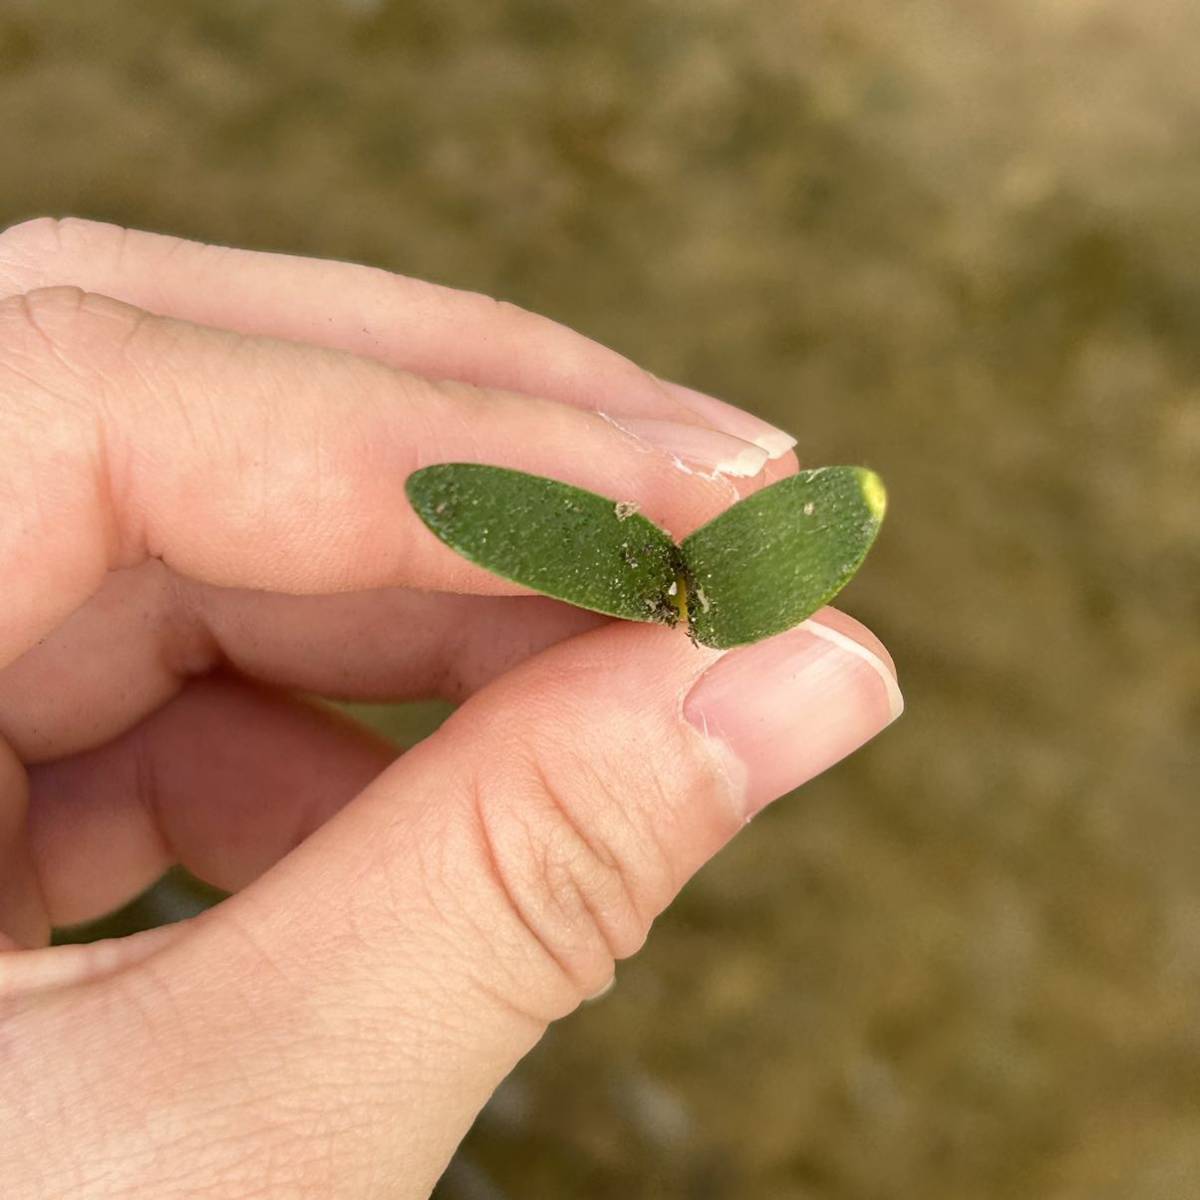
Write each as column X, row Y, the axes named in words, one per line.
column 488, row 881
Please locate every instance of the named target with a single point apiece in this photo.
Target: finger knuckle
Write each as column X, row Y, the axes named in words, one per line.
column 582, row 888
column 56, row 342
column 61, row 380
column 50, row 311
column 24, row 252
column 63, row 326
column 34, row 349
column 23, row 248
column 29, row 250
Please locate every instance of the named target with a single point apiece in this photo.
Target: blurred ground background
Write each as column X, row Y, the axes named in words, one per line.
column 957, row 241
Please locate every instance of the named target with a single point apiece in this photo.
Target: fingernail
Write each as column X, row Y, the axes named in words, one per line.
column 602, row 992
column 787, row 708
column 708, row 450
column 729, row 419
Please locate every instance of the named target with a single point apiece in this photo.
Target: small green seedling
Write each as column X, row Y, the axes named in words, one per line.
column 755, row 570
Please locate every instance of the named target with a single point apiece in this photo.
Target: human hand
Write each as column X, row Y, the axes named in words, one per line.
column 202, row 513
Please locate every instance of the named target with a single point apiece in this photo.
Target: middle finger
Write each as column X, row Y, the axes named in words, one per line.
column 132, row 647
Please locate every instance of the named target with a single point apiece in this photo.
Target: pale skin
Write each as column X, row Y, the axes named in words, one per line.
column 202, row 514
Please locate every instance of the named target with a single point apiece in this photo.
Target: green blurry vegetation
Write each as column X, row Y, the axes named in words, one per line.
column 957, row 242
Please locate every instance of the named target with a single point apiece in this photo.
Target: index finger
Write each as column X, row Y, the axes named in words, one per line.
column 248, row 462
column 435, row 331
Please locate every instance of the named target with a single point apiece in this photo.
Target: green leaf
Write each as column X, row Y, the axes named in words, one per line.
column 759, row 568
column 773, row 559
column 557, row 539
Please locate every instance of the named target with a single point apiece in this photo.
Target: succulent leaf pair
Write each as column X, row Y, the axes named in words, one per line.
column 755, row 570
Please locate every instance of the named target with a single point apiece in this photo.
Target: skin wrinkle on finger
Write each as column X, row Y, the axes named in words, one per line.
column 579, row 809
column 48, row 466
column 31, row 312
